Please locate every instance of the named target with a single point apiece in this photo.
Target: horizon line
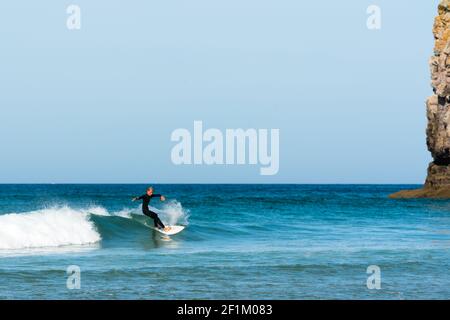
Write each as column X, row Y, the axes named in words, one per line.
column 205, row 183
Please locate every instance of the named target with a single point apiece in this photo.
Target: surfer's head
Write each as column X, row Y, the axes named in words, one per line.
column 149, row 191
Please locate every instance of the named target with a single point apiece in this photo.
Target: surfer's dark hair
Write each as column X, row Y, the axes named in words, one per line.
column 149, row 188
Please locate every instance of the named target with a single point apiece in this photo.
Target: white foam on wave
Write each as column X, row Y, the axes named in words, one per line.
column 173, row 213
column 52, row 227
column 124, row 213
column 97, row 211
column 100, row 211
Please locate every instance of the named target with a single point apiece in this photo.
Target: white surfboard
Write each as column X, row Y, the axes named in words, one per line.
column 173, row 230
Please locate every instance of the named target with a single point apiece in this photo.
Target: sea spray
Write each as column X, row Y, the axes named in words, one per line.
column 173, row 213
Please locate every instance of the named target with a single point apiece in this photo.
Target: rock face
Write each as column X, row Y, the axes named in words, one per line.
column 438, row 113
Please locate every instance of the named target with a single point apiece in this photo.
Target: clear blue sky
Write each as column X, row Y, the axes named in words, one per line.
column 99, row 104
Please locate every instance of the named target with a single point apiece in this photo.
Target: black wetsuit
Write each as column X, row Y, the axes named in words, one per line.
column 145, row 202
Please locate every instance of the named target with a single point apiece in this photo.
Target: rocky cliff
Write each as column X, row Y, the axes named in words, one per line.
column 438, row 113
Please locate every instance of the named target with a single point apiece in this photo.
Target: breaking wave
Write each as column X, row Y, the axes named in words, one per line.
column 65, row 226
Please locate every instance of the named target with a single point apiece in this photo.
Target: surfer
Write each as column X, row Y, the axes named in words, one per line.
column 145, row 210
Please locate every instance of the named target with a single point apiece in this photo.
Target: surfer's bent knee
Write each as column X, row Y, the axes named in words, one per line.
column 150, row 214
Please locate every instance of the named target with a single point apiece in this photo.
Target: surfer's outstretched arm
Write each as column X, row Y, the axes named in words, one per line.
column 160, row 196
column 137, row 198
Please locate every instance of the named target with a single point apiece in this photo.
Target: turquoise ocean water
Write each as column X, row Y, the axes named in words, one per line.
column 241, row 242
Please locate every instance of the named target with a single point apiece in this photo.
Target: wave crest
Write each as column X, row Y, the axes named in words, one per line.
column 51, row 227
